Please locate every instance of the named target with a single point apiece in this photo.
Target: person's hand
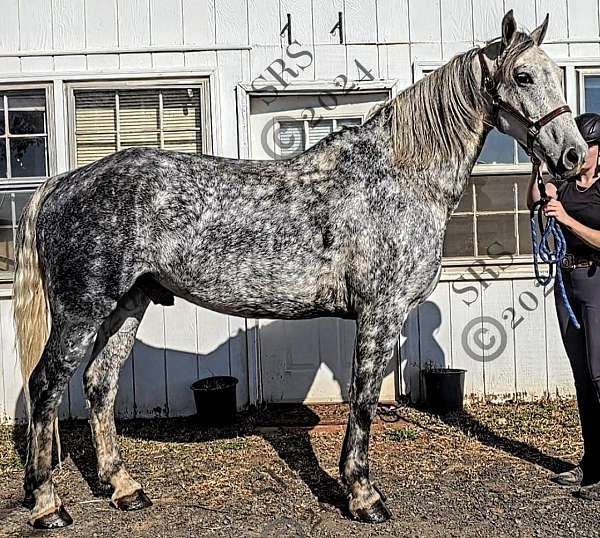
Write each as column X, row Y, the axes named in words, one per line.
column 555, row 209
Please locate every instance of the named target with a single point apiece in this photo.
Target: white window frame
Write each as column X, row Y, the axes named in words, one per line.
column 14, row 186
column 29, row 183
column 583, row 72
column 246, row 91
column 203, row 84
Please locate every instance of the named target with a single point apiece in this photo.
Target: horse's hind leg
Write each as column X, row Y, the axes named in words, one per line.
column 113, row 345
column 66, row 347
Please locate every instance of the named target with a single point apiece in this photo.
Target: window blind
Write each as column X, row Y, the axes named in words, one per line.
column 110, row 120
column 295, row 136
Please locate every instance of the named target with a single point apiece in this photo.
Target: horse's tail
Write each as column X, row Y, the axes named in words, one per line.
column 29, row 292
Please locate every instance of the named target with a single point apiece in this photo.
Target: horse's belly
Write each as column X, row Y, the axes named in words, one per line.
column 295, row 291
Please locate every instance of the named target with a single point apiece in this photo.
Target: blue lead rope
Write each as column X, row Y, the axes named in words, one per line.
column 543, row 251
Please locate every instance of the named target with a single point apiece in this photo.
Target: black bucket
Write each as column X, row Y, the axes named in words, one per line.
column 215, row 398
column 444, row 389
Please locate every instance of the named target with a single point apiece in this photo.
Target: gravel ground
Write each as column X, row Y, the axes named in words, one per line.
column 481, row 473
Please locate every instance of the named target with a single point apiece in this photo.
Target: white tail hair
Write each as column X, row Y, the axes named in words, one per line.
column 30, row 305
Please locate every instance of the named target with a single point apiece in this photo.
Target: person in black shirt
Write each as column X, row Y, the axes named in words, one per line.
column 576, row 206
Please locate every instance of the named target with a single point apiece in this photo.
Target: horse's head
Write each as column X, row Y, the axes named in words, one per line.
column 527, row 99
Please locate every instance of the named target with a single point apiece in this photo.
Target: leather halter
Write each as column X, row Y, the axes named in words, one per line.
column 533, row 127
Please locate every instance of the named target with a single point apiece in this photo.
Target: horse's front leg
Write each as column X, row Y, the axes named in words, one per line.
column 378, row 327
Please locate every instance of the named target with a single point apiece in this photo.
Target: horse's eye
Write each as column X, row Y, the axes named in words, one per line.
column 523, row 78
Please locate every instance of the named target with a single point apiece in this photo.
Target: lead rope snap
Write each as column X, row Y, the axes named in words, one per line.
column 542, row 250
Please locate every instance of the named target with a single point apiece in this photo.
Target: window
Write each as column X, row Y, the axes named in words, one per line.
column 25, row 159
column 491, row 219
column 108, row 119
column 287, row 122
column 591, row 92
column 295, row 136
column 11, row 207
column 23, row 134
column 501, row 149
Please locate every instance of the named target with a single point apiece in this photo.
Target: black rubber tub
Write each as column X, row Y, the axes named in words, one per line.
column 444, row 389
column 216, row 402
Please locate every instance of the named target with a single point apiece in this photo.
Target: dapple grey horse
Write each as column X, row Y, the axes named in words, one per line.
column 351, row 228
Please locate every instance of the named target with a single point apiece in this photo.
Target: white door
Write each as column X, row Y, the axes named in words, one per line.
column 311, row 361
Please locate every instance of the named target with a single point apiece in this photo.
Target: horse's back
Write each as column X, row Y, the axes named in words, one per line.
column 232, row 235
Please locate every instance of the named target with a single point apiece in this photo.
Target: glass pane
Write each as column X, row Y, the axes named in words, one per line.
column 522, row 157
column 138, row 111
column 496, row 233
column 6, row 209
column 592, row 93
column 140, row 139
column 189, row 142
column 21, row 198
column 319, row 130
column 181, row 109
column 28, row 157
column 26, row 99
column 26, row 122
column 289, row 138
column 497, row 149
column 459, row 237
column 466, row 202
column 92, row 147
column 7, row 251
column 525, row 246
column 348, row 122
column 95, row 111
column 2, row 118
column 3, row 159
column 494, row 193
column 522, row 187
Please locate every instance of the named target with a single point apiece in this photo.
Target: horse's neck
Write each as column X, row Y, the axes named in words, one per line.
column 443, row 177
column 450, row 179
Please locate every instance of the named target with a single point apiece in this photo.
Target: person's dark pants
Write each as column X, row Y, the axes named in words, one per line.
column 583, row 349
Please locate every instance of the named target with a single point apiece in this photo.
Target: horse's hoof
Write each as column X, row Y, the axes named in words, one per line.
column 378, row 513
column 29, row 501
column 136, row 501
column 56, row 520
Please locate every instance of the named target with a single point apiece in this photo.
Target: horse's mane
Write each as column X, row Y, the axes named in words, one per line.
column 438, row 117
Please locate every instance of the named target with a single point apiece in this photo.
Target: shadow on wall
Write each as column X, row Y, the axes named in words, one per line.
column 299, row 455
column 420, row 347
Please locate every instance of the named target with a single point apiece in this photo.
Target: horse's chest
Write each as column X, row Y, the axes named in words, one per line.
column 419, row 263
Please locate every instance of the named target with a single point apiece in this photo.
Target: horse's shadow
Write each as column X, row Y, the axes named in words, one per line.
column 293, row 445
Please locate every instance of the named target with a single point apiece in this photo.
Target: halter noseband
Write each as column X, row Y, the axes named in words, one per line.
column 533, row 127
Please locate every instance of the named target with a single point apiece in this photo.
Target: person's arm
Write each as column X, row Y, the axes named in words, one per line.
column 555, row 209
column 533, row 192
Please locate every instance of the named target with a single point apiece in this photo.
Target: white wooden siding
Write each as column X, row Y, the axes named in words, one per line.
column 235, row 41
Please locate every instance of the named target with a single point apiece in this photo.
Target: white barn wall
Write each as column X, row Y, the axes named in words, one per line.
column 186, row 37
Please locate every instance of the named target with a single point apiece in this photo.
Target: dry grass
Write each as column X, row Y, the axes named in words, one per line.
column 479, row 473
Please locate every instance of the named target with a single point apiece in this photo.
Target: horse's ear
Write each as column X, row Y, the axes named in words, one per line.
column 540, row 32
column 509, row 29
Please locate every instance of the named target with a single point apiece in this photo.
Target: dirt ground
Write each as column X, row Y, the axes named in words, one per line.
column 481, row 473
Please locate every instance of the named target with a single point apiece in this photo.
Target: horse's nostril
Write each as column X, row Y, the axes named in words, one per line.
column 571, row 158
